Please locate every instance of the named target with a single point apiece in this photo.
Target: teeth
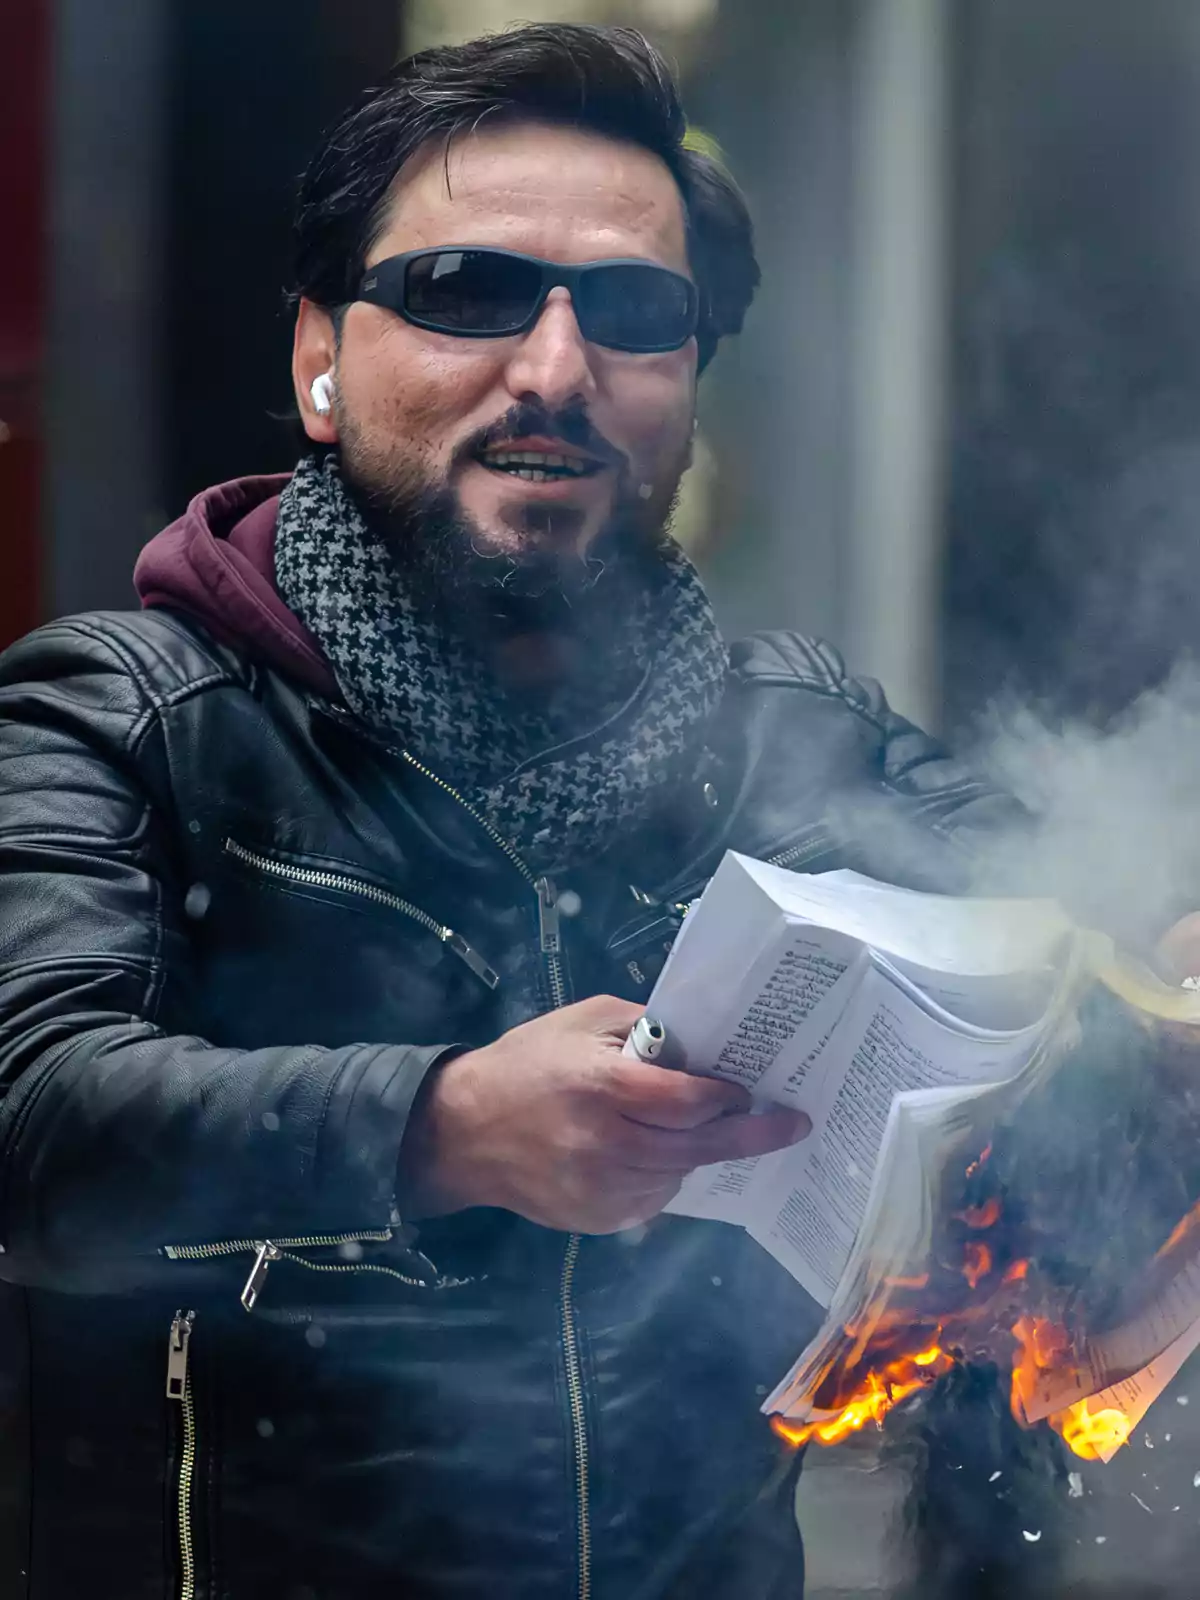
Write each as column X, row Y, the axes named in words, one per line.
column 535, row 459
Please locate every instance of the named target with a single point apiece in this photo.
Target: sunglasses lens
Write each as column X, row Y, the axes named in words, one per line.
column 471, row 291
column 630, row 307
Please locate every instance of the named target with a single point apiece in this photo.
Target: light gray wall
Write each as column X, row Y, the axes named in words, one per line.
column 827, row 413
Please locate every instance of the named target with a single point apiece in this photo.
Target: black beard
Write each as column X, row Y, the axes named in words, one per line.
column 535, row 589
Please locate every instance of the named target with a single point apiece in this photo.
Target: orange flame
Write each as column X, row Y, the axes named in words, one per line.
column 977, row 1262
column 983, row 1157
column 1041, row 1344
column 880, row 1391
column 890, row 1358
column 984, row 1216
column 1091, row 1434
column 920, row 1282
column 1186, row 1225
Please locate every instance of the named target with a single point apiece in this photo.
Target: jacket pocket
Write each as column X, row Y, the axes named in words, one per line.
column 287, row 872
column 264, row 1253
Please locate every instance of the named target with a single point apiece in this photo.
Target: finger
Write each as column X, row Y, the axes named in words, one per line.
column 606, row 1014
column 731, row 1139
column 664, row 1099
column 738, row 1137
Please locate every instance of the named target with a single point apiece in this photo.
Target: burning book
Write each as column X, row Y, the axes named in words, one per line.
column 909, row 1026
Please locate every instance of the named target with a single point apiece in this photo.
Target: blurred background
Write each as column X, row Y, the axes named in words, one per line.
column 960, row 435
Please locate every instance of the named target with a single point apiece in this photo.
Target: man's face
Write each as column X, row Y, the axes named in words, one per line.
column 418, row 416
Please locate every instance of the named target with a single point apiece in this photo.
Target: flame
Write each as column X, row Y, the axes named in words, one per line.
column 984, row 1216
column 1040, row 1344
column 905, row 1347
column 1092, row 1435
column 982, row 1161
column 880, row 1391
column 1186, row 1225
column 977, row 1261
column 920, row 1282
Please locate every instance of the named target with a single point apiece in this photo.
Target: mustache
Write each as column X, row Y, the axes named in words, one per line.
column 571, row 424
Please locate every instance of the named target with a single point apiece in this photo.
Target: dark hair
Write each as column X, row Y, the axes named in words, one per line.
column 609, row 81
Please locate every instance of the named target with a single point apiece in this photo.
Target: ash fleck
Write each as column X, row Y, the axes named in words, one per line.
column 350, row 1250
column 1181, row 1399
column 1101, row 1538
column 1142, row 1503
column 994, row 1476
column 1031, row 1538
column 1075, row 1485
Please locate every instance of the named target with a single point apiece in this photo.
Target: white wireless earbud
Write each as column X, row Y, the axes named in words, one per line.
column 322, row 394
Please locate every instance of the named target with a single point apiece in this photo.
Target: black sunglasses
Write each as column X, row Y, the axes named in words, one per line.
column 481, row 293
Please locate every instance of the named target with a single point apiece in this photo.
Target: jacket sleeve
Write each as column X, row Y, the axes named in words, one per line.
column 117, row 1140
column 903, row 807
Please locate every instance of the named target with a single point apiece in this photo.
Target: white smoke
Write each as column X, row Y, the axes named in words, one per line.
column 1117, row 831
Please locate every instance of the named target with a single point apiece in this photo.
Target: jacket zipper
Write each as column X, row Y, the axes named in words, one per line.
column 337, row 880
column 179, row 1388
column 796, row 854
column 550, row 939
column 266, row 1251
column 574, row 1371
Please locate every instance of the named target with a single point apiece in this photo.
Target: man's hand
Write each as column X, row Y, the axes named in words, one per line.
column 554, row 1123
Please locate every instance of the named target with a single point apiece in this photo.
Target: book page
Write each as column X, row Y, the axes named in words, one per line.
column 1110, row 1360
column 786, row 990
column 787, row 1005
column 1134, row 1396
column 886, row 1045
column 947, row 933
column 723, row 1193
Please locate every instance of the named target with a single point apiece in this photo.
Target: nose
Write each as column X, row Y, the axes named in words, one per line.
column 552, row 361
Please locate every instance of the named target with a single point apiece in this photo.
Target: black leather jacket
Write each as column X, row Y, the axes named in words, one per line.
column 218, row 897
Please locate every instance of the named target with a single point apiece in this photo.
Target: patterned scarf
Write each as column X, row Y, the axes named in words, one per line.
column 562, row 780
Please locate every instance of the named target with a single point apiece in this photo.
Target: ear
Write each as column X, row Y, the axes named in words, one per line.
column 314, row 353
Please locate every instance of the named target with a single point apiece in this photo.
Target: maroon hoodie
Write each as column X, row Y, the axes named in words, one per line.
column 217, row 564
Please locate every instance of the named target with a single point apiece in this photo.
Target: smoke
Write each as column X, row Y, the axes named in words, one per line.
column 1116, row 809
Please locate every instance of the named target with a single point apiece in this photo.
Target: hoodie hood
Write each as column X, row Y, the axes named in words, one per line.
column 216, row 564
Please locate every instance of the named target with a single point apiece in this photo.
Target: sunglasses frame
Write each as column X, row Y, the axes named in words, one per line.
column 385, row 284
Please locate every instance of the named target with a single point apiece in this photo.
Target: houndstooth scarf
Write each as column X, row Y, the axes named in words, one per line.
column 560, row 780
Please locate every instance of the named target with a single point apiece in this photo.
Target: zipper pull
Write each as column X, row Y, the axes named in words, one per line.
column 177, row 1354
column 267, row 1252
column 471, row 956
column 548, row 916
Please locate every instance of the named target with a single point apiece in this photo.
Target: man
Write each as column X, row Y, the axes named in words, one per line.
column 332, row 882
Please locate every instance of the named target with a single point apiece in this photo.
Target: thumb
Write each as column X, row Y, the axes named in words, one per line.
column 606, row 1014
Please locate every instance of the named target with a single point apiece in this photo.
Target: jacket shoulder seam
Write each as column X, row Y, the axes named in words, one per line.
column 111, row 636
